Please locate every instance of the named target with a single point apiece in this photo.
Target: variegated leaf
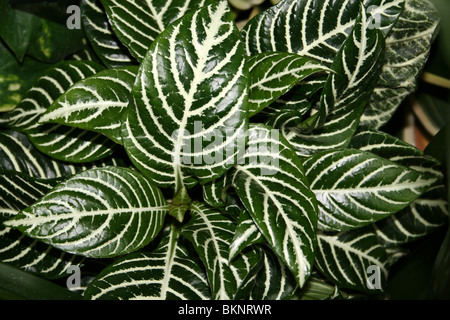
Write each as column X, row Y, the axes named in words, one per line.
column 233, row 206
column 71, row 144
column 396, row 150
column 184, row 100
column 383, row 145
column 271, row 184
column 60, row 142
column 101, row 212
column 246, row 234
column 299, row 99
column 137, row 23
column 407, row 50
column 31, row 255
column 215, row 192
column 356, row 70
column 422, row 216
column 353, row 259
column 274, row 280
column 46, row 89
column 356, row 188
column 335, row 133
column 211, row 234
column 85, row 54
column 169, row 272
column 273, row 74
column 100, row 35
column 314, row 29
column 96, row 103
column 18, row 154
column 18, row 191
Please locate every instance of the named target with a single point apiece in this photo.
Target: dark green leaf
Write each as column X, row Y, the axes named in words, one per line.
column 16, row 284
column 168, row 272
column 99, row 33
column 271, row 184
column 356, row 188
column 96, row 103
column 191, row 88
column 211, row 234
column 137, row 23
column 101, row 212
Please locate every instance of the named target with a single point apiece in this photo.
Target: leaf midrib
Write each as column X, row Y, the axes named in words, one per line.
column 291, row 233
column 396, row 187
column 79, row 214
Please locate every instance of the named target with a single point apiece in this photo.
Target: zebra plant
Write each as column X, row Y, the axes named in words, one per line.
column 178, row 157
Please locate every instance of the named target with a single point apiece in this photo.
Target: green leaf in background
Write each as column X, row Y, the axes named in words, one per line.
column 411, row 277
column 52, row 39
column 169, row 272
column 101, row 212
column 245, row 4
column 271, row 184
column 20, row 251
column 440, row 277
column 356, row 188
column 100, row 35
column 71, row 144
column 347, row 259
column 15, row 78
column 137, row 23
column 16, row 28
column 18, row 154
column 16, row 284
column 211, row 234
column 183, row 101
column 432, row 106
column 443, row 41
column 96, row 103
column 272, row 74
column 407, row 49
column 422, row 217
